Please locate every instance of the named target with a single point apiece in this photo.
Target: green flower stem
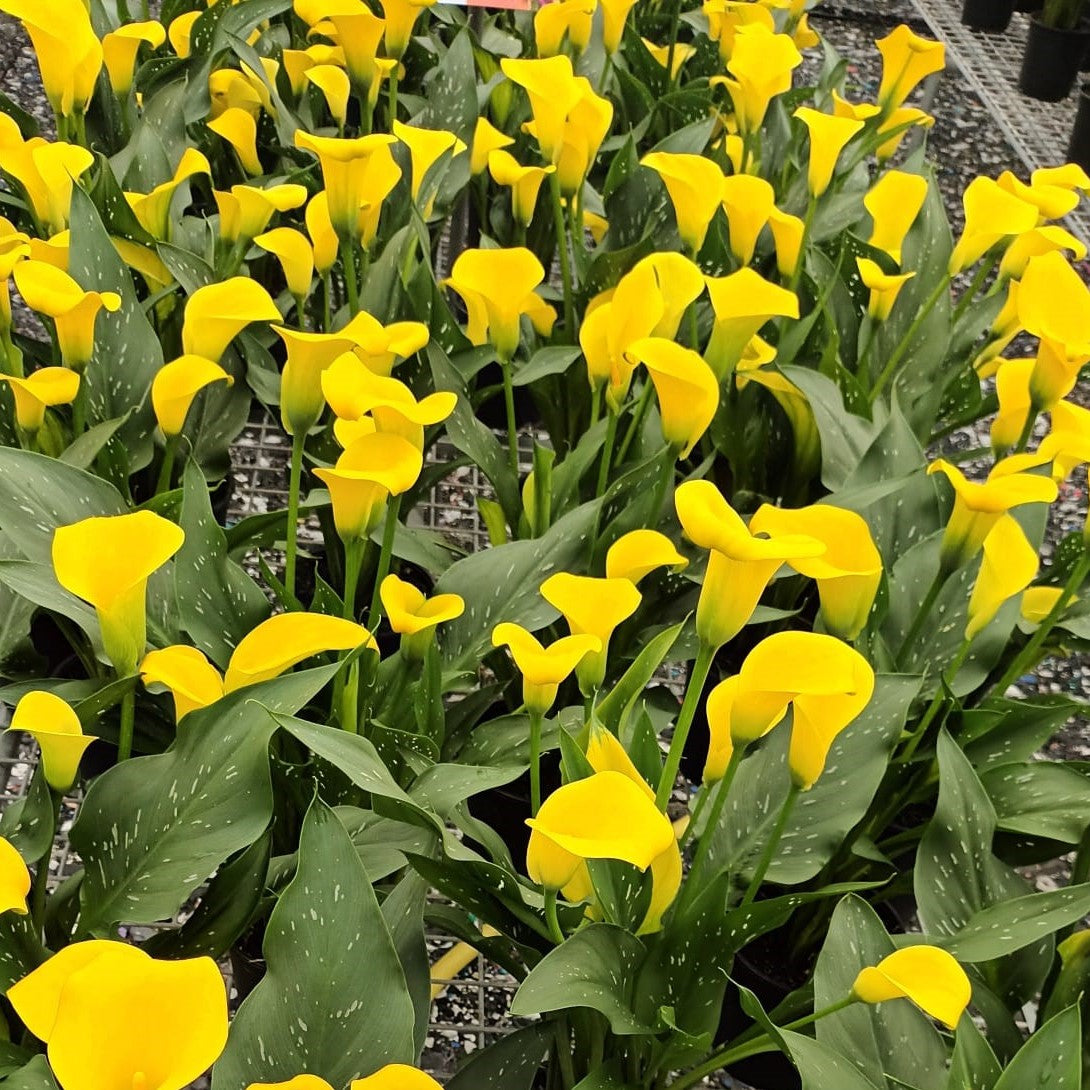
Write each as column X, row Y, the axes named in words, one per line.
column 353, row 561
column 922, row 613
column 974, row 287
column 807, row 230
column 675, row 25
column 79, row 410
column 166, row 467
column 551, row 917
column 393, row 513
column 1080, row 871
column 393, row 98
column 763, row 1043
column 898, row 353
column 636, row 424
column 351, row 277
column 345, row 689
column 1027, row 430
column 940, row 699
column 563, row 1054
column 564, row 258
column 665, row 476
column 607, row 69
column 41, row 874
column 607, row 454
column 536, row 718
column 595, row 404
column 701, row 667
column 1029, row 654
column 291, row 543
column 128, row 717
column 773, row 843
column 327, row 303
column 509, row 410
column 721, row 791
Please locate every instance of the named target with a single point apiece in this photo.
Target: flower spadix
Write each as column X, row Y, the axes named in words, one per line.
column 927, row 975
column 107, row 561
column 192, row 680
column 57, row 730
column 286, row 639
column 177, row 384
column 542, row 668
column 605, row 816
column 740, row 564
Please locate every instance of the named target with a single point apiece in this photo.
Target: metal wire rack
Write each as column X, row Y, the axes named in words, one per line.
column 1039, row 132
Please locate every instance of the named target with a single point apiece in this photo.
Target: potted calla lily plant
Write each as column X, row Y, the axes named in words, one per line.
column 1055, row 49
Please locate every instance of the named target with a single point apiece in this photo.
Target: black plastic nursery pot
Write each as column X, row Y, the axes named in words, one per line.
column 1052, row 60
column 992, row 15
column 1079, row 149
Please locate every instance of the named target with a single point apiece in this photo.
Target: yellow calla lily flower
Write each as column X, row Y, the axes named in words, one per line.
column 1051, row 201
column 371, row 470
column 1068, row 440
column 742, row 302
column 1009, row 566
column 336, row 88
column 427, row 147
column 401, row 16
column 605, row 816
column 57, row 730
column 53, row 251
column 1054, row 303
column 177, row 384
column 726, row 16
column 907, row 60
column 551, row 86
column 1038, row 603
column 1012, row 381
column 107, row 561
column 613, row 323
column 14, row 879
column 894, row 202
column 740, row 565
column 614, row 15
column 153, row 209
column 680, row 282
column 414, row 616
column 486, row 139
column 358, row 174
column 695, row 185
column 55, row 294
column 847, row 573
column 42, row 389
column 661, row 54
column 120, row 47
column 826, row 682
column 719, row 704
column 991, row 215
column 245, row 211
column 927, row 975
column 174, row 1015
column 1068, row 176
column 897, row 126
column 323, row 238
column 585, row 127
column 606, row 754
column 760, row 67
column 1056, row 371
column 66, row 47
column 749, row 202
column 395, row 1077
column 296, row 256
column 239, row 128
column 229, row 89
column 524, row 182
column 47, row 172
column 884, row 287
column 193, row 681
column 308, row 356
column 829, row 136
column 180, row 30
column 217, row 313
column 382, row 347
column 639, row 552
column 1030, row 244
column 979, row 506
column 592, row 607
column 359, row 34
column 687, row 390
column 788, row 233
column 497, row 287
column 352, row 389
column 569, row 19
column 667, row 871
column 542, row 668
column 286, row 639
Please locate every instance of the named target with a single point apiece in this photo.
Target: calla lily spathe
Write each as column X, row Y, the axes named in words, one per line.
column 1035, row 243
column 396, row 1077
column 113, row 1017
column 428, row 148
column 323, row 237
column 884, row 287
column 524, row 182
column 187, row 673
column 153, row 209
column 760, row 67
column 927, row 975
column 336, row 88
column 381, row 347
column 894, row 203
column 120, row 47
column 14, row 879
column 1012, row 387
column 907, row 60
column 177, row 384
column 1038, row 603
column 788, row 233
column 239, row 128
column 107, row 562
column 592, row 607
column 46, row 171
column 639, row 552
column 401, row 16
column 543, row 668
column 695, row 185
column 42, row 389
column 217, row 313
column 54, row 293
column 749, row 202
column 308, row 356
column 991, row 215
column 726, row 16
column 571, row 19
column 487, row 139
column 719, row 705
column 57, row 730
column 295, row 254
column 358, row 32
column 246, row 211
column 829, row 136
column 286, row 639
column 1053, row 302
column 414, row 616
column 552, row 88
column 847, row 573
column 680, row 283
column 742, row 302
column 1009, row 566
column 605, row 816
column 740, row 565
column 1051, row 201
column 585, row 127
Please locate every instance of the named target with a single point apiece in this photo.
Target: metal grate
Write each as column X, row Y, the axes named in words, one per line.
column 1038, row 131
